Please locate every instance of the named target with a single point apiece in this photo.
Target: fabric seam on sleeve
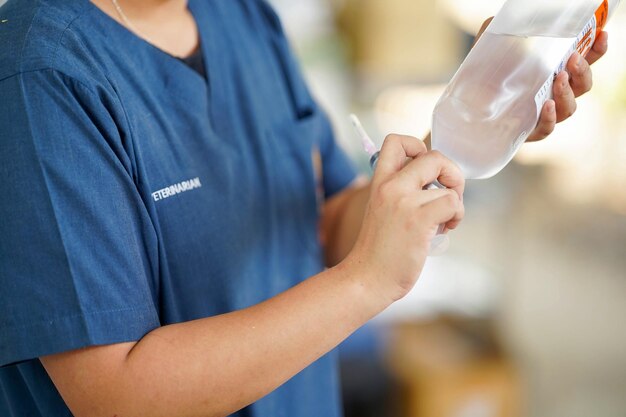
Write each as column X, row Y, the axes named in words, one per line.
column 88, row 313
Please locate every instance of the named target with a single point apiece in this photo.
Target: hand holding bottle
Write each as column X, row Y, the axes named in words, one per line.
column 570, row 84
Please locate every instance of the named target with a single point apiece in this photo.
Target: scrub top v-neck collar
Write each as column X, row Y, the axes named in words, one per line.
column 196, row 61
column 204, row 42
column 213, row 95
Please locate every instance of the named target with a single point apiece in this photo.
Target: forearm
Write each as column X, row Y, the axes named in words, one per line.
column 341, row 222
column 217, row 365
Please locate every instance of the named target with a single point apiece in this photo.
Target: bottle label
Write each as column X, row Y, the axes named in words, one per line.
column 582, row 45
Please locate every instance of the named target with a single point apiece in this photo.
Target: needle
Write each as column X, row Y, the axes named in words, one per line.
column 366, row 141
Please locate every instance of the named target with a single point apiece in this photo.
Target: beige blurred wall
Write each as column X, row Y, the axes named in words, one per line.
column 402, row 40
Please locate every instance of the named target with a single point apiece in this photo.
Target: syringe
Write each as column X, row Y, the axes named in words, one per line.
column 441, row 242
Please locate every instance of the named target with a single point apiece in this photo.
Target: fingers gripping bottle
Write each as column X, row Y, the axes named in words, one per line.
column 494, row 101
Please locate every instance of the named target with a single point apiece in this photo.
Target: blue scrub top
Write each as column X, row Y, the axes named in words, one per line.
column 134, row 193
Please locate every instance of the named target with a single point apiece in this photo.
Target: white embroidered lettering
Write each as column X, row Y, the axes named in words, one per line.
column 177, row 188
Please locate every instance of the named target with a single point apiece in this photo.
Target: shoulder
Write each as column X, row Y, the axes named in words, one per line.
column 38, row 35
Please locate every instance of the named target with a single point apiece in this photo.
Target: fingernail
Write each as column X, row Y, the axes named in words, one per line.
column 580, row 61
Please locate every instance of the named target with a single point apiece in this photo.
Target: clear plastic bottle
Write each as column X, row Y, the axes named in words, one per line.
column 494, row 101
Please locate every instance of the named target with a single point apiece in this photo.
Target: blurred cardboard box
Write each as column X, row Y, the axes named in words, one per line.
column 447, row 368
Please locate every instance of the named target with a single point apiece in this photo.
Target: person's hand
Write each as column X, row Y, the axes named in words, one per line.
column 401, row 218
column 570, row 84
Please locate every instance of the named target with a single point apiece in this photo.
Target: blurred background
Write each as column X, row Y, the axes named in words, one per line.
column 525, row 315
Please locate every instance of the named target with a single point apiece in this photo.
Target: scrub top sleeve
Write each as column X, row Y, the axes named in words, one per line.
column 75, row 237
column 338, row 170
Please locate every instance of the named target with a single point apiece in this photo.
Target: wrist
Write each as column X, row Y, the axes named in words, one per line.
column 365, row 286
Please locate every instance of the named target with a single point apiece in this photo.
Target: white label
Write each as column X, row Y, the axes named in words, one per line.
column 582, row 45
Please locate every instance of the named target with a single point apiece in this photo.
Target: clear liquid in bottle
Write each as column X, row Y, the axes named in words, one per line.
column 494, row 101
